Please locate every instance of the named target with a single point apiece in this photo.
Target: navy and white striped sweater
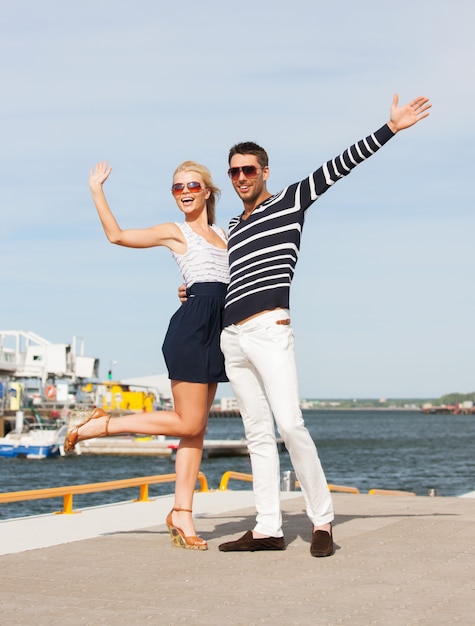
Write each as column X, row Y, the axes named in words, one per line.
column 264, row 248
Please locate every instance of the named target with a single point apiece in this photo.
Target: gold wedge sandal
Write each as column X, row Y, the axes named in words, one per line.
column 179, row 540
column 72, row 436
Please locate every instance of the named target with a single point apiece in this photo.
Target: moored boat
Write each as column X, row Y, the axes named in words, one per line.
column 37, row 443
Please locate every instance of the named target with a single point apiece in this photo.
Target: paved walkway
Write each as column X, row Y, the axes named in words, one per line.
column 399, row 560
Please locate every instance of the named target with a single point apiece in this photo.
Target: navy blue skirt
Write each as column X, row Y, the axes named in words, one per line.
column 191, row 346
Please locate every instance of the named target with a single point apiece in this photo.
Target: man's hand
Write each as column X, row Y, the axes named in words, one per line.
column 182, row 293
column 408, row 115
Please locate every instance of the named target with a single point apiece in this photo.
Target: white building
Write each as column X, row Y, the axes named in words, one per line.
column 24, row 354
column 229, row 404
column 159, row 384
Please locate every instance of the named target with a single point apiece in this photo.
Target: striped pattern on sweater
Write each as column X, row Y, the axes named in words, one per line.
column 264, row 249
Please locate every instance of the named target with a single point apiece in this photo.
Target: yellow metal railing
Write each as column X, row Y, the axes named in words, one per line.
column 143, row 483
column 226, row 477
column 343, row 489
column 389, row 492
column 68, row 492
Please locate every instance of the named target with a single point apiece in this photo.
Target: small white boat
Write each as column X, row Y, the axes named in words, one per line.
column 40, row 441
column 37, row 443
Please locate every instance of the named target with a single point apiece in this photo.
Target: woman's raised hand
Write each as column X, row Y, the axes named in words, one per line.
column 99, row 175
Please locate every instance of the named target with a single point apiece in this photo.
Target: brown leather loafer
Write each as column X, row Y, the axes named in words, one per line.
column 247, row 543
column 322, row 543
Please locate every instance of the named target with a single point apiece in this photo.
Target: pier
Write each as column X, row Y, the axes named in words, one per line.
column 398, row 560
column 153, row 446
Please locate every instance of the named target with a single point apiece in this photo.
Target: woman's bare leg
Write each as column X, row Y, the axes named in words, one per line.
column 189, row 420
column 183, row 421
column 190, row 449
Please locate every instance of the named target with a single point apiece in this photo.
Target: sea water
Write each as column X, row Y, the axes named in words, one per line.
column 403, row 450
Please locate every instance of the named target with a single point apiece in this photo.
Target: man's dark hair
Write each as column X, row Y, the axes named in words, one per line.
column 249, row 147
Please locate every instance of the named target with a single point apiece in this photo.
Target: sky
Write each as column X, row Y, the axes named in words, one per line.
column 383, row 299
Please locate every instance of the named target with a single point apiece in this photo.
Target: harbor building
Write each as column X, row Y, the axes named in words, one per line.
column 28, row 362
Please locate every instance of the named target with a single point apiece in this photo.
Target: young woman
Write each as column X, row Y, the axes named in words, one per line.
column 191, row 348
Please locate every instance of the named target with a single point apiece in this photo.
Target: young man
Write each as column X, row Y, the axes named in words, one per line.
column 257, row 340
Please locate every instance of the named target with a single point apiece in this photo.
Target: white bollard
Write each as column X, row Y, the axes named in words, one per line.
column 19, row 422
column 287, row 482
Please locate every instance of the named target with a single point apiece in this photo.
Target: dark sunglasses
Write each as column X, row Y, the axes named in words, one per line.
column 249, row 171
column 194, row 187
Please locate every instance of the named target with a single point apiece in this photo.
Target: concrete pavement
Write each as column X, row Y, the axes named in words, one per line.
column 398, row 560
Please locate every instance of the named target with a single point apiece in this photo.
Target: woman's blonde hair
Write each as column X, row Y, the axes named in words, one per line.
column 192, row 166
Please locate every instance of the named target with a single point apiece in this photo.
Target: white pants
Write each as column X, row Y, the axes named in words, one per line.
column 260, row 364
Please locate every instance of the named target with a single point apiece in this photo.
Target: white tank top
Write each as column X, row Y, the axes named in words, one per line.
column 202, row 262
